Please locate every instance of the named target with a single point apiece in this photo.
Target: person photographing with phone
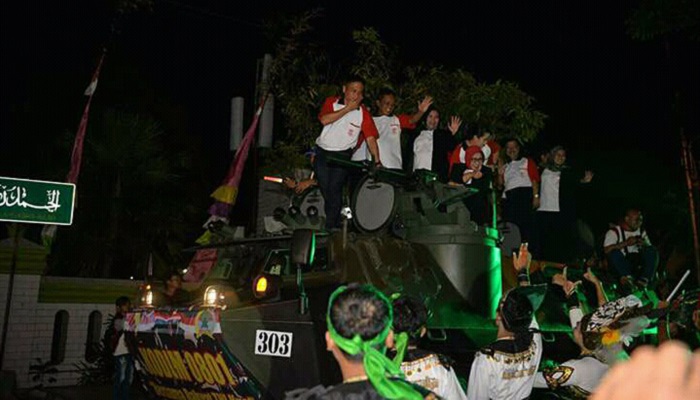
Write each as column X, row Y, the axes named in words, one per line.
column 629, row 251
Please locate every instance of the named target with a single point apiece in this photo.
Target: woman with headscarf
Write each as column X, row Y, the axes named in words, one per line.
column 471, row 173
column 556, row 215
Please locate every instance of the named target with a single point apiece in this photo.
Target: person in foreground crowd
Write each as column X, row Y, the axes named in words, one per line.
column 686, row 326
column 630, row 252
column 506, row 368
column 670, row 371
column 389, row 127
column 345, row 122
column 578, row 377
column 429, row 370
column 433, row 146
column 123, row 360
column 359, row 322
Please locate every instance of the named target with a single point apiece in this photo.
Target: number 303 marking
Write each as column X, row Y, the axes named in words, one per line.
column 272, row 343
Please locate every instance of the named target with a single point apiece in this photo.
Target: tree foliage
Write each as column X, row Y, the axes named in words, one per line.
column 129, row 203
column 658, row 18
column 305, row 75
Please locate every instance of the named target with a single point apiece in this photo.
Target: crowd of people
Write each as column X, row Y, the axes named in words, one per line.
column 535, row 198
column 458, row 154
column 376, row 340
column 376, row 343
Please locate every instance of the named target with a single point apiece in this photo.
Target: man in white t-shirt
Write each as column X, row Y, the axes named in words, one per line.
column 390, row 127
column 630, row 252
column 346, row 123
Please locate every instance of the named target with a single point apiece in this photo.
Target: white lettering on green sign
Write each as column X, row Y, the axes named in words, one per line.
column 24, row 200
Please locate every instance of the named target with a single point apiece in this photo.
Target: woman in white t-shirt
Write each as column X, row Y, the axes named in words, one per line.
column 521, row 187
column 556, row 214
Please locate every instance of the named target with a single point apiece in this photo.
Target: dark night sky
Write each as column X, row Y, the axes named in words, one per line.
column 601, row 89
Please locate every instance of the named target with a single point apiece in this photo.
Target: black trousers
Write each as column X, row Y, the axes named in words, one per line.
column 555, row 236
column 331, row 180
column 517, row 208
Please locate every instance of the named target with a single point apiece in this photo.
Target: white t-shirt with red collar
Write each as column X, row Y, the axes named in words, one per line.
column 520, row 173
column 389, row 141
column 344, row 133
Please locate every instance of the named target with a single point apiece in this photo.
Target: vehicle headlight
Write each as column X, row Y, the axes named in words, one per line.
column 267, row 286
column 147, row 298
column 261, row 285
column 212, row 296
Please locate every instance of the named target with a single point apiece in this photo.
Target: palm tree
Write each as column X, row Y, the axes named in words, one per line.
column 130, row 200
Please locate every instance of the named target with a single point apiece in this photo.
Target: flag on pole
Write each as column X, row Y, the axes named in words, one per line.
column 77, row 155
column 226, row 194
column 150, row 265
column 49, row 231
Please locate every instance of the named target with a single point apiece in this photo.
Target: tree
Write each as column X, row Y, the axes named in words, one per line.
column 309, row 75
column 131, row 202
column 661, row 18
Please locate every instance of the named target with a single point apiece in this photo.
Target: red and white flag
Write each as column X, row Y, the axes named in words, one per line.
column 77, row 155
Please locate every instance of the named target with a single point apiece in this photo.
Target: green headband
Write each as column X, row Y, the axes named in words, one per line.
column 401, row 344
column 376, row 364
column 401, row 339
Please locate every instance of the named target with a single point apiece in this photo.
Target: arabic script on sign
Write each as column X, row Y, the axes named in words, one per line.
column 15, row 196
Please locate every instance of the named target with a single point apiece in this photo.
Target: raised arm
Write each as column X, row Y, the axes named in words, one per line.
column 423, row 106
column 600, row 294
column 455, row 123
column 521, row 263
column 572, row 303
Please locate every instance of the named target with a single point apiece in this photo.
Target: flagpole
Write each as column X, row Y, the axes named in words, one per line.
column 10, row 287
column 691, row 180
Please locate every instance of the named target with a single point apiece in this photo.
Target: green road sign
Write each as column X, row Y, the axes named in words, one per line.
column 39, row 202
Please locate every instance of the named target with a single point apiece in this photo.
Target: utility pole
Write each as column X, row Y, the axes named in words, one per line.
column 691, row 180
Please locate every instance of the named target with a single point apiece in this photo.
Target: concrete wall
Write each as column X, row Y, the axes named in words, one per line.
column 35, row 301
column 31, row 325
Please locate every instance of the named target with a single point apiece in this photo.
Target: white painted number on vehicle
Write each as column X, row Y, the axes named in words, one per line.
column 272, row 343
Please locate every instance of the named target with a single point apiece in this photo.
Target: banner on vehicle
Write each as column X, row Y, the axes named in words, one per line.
column 181, row 355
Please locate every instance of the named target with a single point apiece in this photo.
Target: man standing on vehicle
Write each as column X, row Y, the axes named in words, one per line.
column 346, row 123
